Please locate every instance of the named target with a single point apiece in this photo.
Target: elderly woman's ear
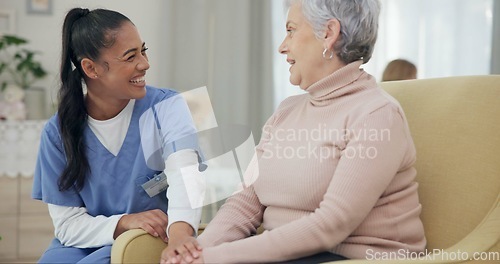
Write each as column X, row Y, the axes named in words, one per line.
column 332, row 33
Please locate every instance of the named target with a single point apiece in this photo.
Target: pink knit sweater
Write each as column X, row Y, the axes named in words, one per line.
column 334, row 172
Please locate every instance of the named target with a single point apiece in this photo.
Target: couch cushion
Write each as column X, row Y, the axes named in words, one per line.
column 455, row 124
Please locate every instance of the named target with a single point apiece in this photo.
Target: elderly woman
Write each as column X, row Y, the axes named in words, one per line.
column 334, row 168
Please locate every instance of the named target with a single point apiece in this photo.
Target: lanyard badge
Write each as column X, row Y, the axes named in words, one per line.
column 156, row 185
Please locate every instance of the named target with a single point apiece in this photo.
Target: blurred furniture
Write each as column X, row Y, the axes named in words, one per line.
column 19, row 142
column 25, row 226
column 455, row 126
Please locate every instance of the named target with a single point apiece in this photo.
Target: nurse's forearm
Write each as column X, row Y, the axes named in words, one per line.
column 120, row 228
column 186, row 189
column 180, row 229
column 75, row 227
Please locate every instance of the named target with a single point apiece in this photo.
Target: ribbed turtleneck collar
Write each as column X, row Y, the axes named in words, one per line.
column 330, row 86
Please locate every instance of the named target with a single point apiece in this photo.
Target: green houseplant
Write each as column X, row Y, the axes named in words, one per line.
column 18, row 63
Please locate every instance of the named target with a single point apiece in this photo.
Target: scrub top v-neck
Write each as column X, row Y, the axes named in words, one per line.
column 113, row 183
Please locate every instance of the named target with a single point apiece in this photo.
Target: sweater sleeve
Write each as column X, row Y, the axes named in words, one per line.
column 238, row 218
column 357, row 183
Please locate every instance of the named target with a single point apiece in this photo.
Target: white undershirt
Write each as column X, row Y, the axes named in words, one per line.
column 112, row 132
column 73, row 226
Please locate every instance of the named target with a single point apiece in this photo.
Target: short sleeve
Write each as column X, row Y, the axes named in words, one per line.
column 170, row 128
column 50, row 164
column 177, row 126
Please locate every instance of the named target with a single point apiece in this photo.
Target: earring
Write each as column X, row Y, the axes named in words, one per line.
column 95, row 76
column 331, row 54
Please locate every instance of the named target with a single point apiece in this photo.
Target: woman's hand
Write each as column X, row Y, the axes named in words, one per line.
column 185, row 250
column 182, row 246
column 154, row 222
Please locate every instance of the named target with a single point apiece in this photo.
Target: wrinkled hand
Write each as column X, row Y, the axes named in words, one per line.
column 154, row 222
column 184, row 250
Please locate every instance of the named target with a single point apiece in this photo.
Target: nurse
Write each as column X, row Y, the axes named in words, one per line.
column 107, row 155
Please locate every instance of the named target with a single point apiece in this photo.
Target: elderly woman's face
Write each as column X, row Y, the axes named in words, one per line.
column 304, row 51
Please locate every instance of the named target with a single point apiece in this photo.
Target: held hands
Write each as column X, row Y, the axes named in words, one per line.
column 182, row 247
column 154, row 222
column 184, row 250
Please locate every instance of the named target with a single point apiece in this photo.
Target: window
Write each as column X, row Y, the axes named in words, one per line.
column 442, row 37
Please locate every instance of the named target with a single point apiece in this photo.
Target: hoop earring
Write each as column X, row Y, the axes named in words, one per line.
column 331, row 54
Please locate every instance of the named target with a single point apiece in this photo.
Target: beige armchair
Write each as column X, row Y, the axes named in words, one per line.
column 455, row 123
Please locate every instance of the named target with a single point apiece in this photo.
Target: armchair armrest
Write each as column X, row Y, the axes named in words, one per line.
column 137, row 246
column 485, row 238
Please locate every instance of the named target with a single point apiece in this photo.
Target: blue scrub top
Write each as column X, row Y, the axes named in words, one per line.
column 160, row 125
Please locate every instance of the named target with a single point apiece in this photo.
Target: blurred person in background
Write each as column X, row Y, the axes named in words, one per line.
column 398, row 70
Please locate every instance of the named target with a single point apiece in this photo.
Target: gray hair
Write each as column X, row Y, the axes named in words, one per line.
column 358, row 24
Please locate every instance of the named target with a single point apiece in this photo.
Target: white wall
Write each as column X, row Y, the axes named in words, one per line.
column 495, row 58
column 44, row 34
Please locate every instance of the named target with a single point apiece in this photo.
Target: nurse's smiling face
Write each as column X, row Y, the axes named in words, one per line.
column 121, row 68
column 118, row 75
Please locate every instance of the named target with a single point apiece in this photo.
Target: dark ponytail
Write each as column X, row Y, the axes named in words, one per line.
column 84, row 34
